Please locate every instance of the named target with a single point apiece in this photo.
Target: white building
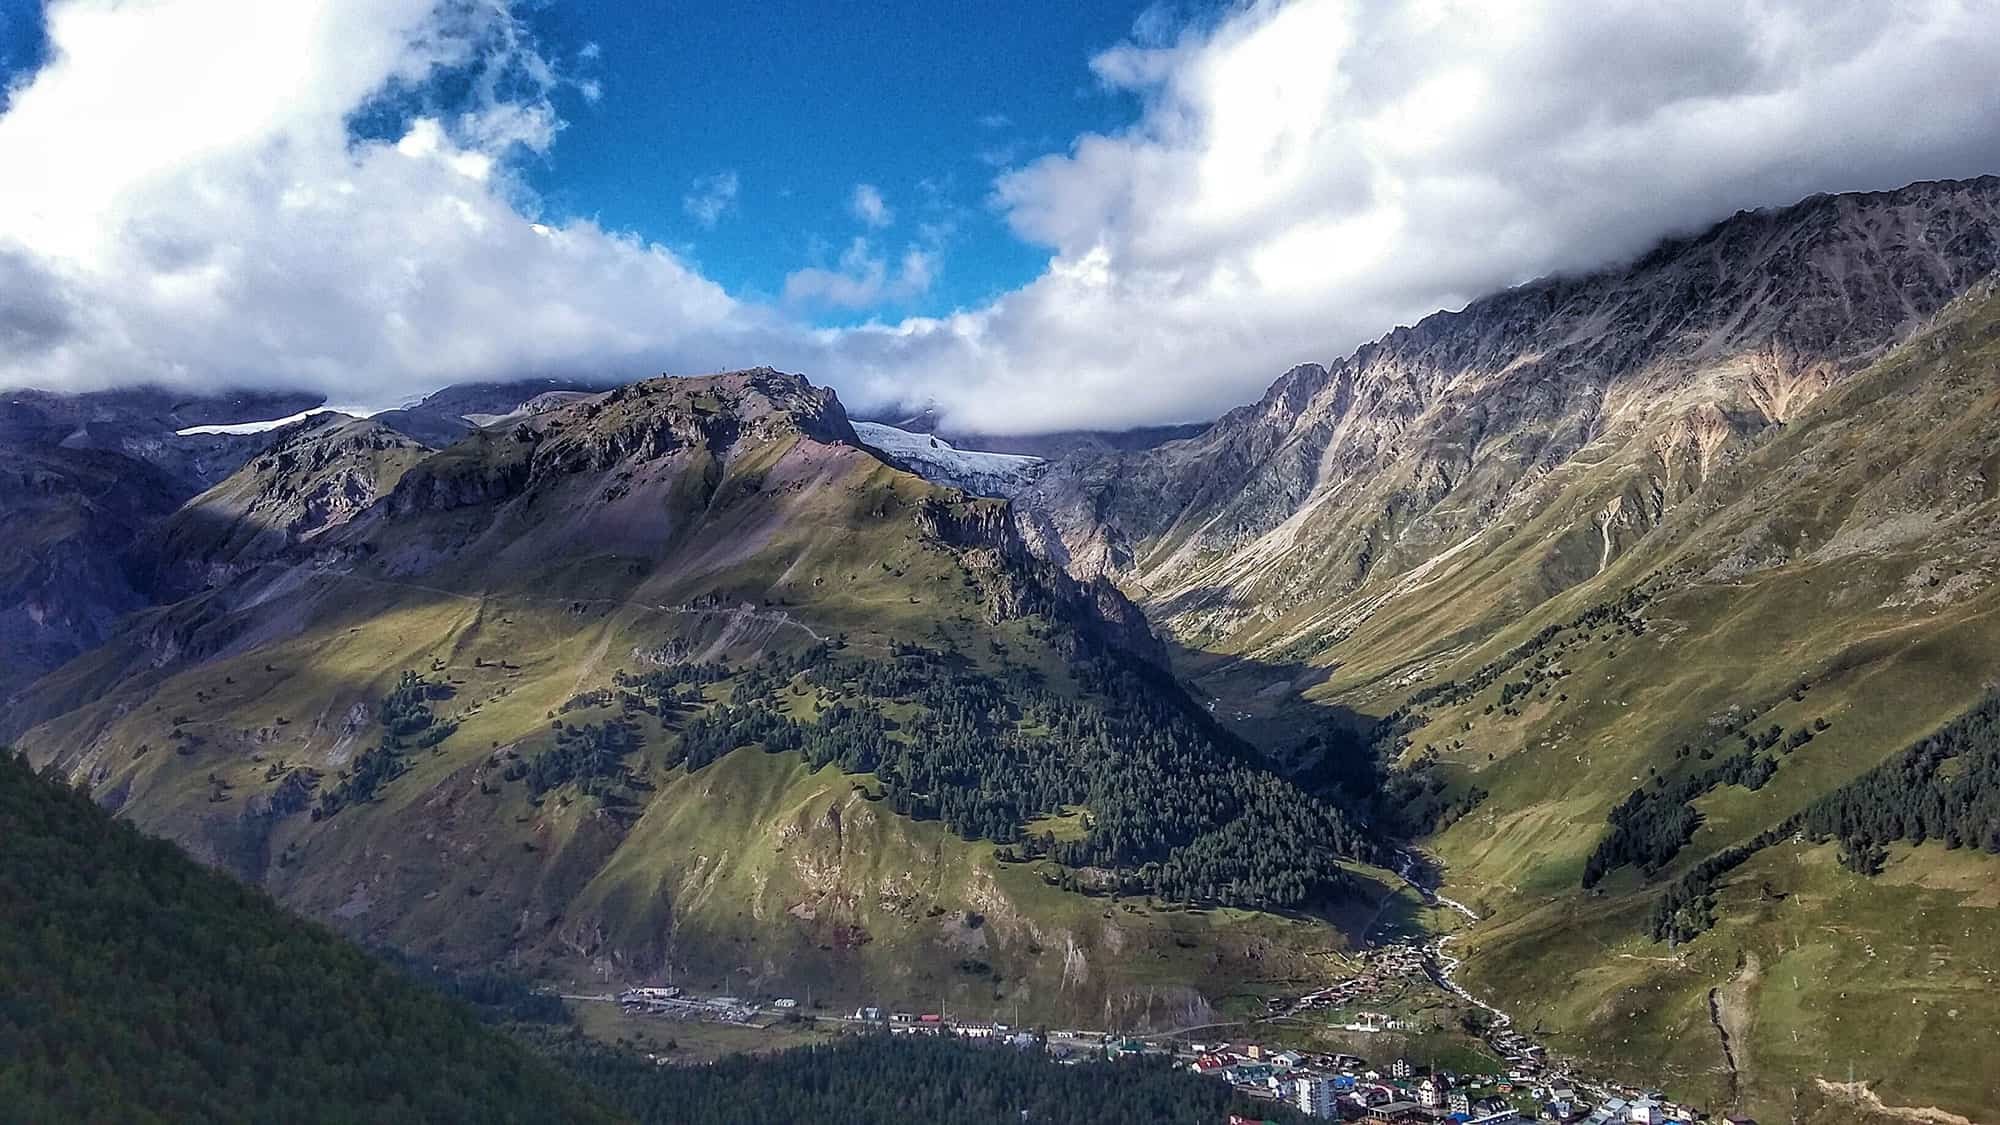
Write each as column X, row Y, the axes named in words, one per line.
column 1316, row 1097
column 1433, row 1090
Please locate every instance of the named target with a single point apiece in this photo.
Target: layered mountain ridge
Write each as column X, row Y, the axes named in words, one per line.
column 1626, row 575
column 1287, row 522
column 1618, row 575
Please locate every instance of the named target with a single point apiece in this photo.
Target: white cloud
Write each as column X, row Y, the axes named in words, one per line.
column 1300, row 177
column 711, row 197
column 1305, row 176
column 209, row 222
column 863, row 279
column 869, row 206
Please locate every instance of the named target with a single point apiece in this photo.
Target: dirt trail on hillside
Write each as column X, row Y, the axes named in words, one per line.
column 1732, row 1012
column 1861, row 1095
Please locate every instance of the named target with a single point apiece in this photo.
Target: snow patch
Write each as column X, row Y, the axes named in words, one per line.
column 934, row 459
column 268, row 424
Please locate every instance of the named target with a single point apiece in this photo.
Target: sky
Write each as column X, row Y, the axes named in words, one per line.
column 1031, row 216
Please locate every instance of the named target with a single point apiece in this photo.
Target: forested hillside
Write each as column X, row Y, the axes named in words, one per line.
column 136, row 985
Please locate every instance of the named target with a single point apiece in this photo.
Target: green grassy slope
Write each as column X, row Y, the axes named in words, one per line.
column 680, row 522
column 136, row 985
column 1843, row 571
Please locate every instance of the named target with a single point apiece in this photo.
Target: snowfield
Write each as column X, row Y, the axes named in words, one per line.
column 934, row 459
column 268, row 424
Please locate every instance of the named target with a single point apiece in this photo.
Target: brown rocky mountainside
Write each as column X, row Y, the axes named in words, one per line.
column 1573, row 410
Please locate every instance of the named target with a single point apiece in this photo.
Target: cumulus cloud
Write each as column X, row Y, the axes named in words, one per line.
column 863, row 279
column 230, row 231
column 710, row 197
column 1299, row 177
column 1304, row 176
column 869, row 206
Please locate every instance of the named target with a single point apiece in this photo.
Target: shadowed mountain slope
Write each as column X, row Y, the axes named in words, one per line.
column 141, row 986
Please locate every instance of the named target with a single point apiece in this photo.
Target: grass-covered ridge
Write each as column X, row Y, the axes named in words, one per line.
column 1646, row 746
column 515, row 711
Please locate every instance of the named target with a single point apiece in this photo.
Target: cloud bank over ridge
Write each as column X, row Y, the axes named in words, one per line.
column 1301, row 177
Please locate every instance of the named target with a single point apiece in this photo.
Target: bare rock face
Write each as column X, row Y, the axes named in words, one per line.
column 315, row 476
column 1590, row 404
column 82, row 477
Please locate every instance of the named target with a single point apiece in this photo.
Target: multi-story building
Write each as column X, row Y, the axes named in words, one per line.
column 1316, row 1096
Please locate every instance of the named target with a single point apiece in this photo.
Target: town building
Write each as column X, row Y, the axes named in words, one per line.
column 1316, row 1096
column 1433, row 1091
column 1394, row 1113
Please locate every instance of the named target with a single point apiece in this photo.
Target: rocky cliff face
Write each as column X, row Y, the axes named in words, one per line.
column 314, row 476
column 1585, row 406
column 84, row 477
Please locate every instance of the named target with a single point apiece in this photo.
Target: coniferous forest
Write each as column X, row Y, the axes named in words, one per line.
column 874, row 1078
column 1945, row 788
column 137, row 985
column 1174, row 807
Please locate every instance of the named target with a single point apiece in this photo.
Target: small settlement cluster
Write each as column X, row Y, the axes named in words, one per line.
column 1345, row 1087
column 1328, row 1086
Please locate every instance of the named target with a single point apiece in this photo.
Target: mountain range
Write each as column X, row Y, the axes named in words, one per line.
column 1614, row 594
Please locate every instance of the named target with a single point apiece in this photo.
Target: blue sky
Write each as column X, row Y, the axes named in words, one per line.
column 801, row 102
column 737, row 134
column 1029, row 215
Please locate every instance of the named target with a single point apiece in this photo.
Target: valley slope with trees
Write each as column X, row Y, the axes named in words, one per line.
column 1665, row 596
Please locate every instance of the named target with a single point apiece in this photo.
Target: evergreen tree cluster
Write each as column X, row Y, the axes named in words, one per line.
column 1686, row 909
column 1174, row 809
column 1651, row 825
column 1945, row 788
column 591, row 755
column 139, row 986
column 408, row 722
column 1416, row 800
column 867, row 1080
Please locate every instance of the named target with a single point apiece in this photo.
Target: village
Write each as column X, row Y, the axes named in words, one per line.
column 1329, row 1086
column 1524, row 1084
